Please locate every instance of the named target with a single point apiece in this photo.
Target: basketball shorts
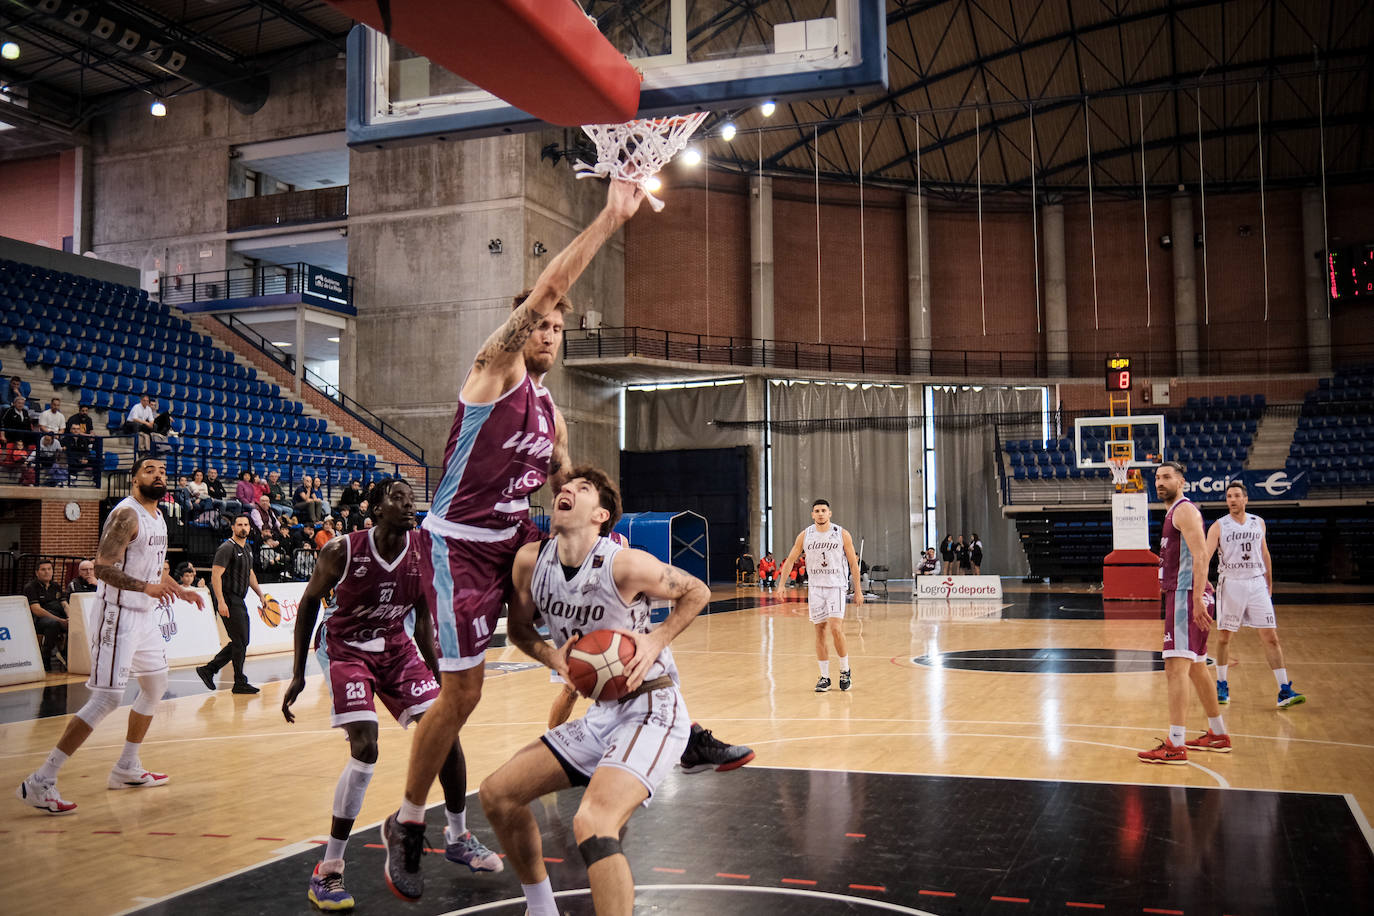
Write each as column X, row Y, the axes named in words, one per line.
column 1183, row 638
column 125, row 642
column 825, row 602
column 471, row 581
column 645, row 736
column 396, row 675
column 1244, row 602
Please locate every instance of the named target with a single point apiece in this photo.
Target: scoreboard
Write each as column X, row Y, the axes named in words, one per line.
column 1350, row 273
column 1118, row 373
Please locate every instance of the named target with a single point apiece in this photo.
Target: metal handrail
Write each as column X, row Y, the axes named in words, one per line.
column 241, row 283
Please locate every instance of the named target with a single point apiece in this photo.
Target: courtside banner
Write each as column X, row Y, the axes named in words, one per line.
column 20, row 661
column 985, row 588
column 284, row 600
column 1130, row 521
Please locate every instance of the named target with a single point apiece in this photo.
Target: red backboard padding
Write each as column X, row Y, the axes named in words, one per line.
column 542, row 56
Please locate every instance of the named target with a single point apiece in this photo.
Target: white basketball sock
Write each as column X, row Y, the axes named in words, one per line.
column 1281, row 675
column 457, row 822
column 1216, row 726
column 825, row 667
column 334, row 852
column 1176, row 735
column 129, row 759
column 844, row 663
column 411, row 814
column 539, row 898
column 48, row 771
column 1221, row 672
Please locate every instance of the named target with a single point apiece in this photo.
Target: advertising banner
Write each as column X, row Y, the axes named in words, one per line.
column 1261, row 484
column 985, row 588
column 275, row 630
column 19, row 658
column 191, row 633
column 1130, row 521
column 326, row 284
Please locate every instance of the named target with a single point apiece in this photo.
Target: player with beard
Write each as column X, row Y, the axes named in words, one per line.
column 122, row 622
column 379, row 577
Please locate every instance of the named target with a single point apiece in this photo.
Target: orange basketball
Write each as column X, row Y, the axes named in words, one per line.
column 597, row 663
column 270, row 612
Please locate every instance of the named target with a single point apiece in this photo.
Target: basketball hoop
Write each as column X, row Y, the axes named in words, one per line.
column 1121, row 470
column 637, row 150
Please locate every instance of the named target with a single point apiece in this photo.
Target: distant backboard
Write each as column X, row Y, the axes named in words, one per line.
column 696, row 55
column 1140, row 436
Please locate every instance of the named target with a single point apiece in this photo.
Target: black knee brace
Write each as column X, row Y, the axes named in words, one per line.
column 597, row 848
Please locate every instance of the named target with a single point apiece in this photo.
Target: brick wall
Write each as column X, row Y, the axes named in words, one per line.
column 1091, row 396
column 31, row 200
column 44, row 527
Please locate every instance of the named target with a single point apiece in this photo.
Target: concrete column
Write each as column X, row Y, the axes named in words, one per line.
column 1056, row 289
column 300, row 348
column 918, row 280
column 81, row 200
column 1314, row 276
column 1185, row 284
column 761, row 259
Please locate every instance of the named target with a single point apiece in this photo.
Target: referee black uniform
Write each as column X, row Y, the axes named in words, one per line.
column 235, row 561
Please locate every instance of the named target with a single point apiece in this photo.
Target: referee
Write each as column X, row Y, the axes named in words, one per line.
column 231, row 575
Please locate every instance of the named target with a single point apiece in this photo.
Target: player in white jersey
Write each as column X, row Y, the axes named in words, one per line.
column 1245, row 590
column 123, row 625
column 580, row 581
column 831, row 564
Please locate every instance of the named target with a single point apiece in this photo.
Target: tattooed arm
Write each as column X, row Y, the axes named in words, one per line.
column 640, row 573
column 120, row 530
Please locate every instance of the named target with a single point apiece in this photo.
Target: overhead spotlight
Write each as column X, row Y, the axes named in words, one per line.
column 332, row 339
column 1166, row 241
column 691, row 156
column 281, row 343
column 10, row 50
column 539, row 249
column 494, row 246
column 727, row 131
column 158, row 109
column 767, row 108
column 653, row 185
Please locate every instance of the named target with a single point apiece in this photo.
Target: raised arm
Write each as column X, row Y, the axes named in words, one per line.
column 329, row 566
column 560, row 464
column 640, row 573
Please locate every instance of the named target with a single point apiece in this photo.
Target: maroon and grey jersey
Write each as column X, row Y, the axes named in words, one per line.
column 1175, row 559
column 373, row 600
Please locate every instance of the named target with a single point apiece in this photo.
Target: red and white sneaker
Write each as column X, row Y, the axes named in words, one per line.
column 1207, row 741
column 1165, row 753
column 136, row 779
column 43, row 795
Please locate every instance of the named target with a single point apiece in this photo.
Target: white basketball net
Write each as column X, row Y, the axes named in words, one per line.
column 1121, row 470
column 637, row 150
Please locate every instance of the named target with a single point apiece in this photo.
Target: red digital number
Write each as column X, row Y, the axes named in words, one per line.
column 1123, row 380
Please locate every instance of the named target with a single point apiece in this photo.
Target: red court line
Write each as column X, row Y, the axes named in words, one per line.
column 52, row 831
column 1150, row 909
column 160, row 833
column 320, row 842
column 218, row 836
column 1011, row 899
column 803, row 881
column 671, row 871
column 107, row 831
column 936, row 893
column 870, row 887
column 722, row 874
column 554, row 861
column 272, row 839
column 859, row 836
column 1086, row 906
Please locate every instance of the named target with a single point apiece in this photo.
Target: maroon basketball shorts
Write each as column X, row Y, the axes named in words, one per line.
column 1183, row 638
column 396, row 675
column 471, row 582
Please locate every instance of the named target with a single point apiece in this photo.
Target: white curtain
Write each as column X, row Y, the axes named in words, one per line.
column 667, row 419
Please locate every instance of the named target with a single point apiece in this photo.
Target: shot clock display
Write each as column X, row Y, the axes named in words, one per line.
column 1118, row 373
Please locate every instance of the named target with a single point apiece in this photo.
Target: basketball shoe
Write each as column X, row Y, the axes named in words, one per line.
column 1165, row 753
column 135, row 779
column 823, row 684
column 1208, row 741
column 43, row 795
column 207, row 677
column 327, row 891
column 705, row 750
column 405, row 843
column 1290, row 697
column 1223, row 693
column 845, row 680
column 470, row 851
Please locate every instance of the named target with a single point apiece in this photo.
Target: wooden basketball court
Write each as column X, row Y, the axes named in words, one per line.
column 940, row 690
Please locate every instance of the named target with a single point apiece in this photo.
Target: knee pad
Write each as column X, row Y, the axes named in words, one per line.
column 597, row 848
column 151, row 687
column 350, row 789
column 103, row 701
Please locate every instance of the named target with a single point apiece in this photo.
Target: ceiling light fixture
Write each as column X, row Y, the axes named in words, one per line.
column 767, row 108
column 158, row 108
column 727, row 131
column 332, row 339
column 691, row 156
column 10, row 50
column 281, row 343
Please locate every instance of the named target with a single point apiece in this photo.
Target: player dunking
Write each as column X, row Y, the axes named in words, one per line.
column 1245, row 590
column 621, row 749
column 507, row 439
column 380, row 576
column 125, row 639
column 830, row 563
column 1182, row 581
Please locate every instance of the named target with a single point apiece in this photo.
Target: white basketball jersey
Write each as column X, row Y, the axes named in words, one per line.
column 1239, row 553
column 143, row 558
column 826, row 564
column 590, row 601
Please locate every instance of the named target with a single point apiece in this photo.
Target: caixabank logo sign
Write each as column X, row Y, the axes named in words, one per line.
column 1260, row 484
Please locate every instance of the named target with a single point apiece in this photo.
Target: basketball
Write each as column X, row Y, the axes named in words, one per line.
column 597, row 662
column 270, row 611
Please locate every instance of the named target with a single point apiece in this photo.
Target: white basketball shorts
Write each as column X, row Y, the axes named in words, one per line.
column 124, row 642
column 1244, row 602
column 825, row 602
column 645, row 736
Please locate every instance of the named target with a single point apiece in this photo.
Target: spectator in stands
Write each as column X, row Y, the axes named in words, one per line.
column 47, row 456
column 352, row 495
column 48, row 604
column 185, row 574
column 16, row 422
column 367, row 523
column 169, row 503
column 929, row 563
column 16, row 389
column 264, row 517
column 324, row 532
column 197, row 494
column 162, row 430
column 345, row 518
column 308, row 504
column 53, row 420
column 320, row 492
column 140, row 422
column 359, row 518
column 215, row 488
column 244, row 491
column 276, row 492
column 947, row 555
column 17, row 459
column 85, row 580
column 975, row 554
column 960, row 556
column 78, row 440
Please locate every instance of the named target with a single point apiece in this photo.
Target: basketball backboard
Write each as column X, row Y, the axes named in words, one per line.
column 1140, row 437
column 695, row 55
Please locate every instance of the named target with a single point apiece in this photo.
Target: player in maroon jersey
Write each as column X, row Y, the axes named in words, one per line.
column 381, row 579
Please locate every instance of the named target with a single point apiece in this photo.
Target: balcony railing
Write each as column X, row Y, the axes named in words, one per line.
column 288, row 209
column 262, row 280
